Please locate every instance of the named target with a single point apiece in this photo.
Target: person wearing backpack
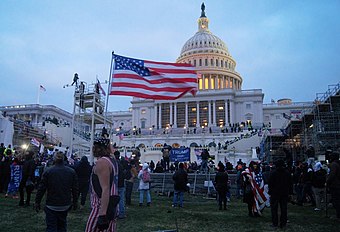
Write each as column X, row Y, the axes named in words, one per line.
column 144, row 185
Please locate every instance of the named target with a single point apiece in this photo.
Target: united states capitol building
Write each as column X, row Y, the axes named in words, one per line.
column 230, row 121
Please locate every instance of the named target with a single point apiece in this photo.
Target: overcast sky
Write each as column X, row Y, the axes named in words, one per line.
column 289, row 49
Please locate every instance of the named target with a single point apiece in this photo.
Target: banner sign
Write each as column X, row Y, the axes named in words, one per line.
column 180, row 154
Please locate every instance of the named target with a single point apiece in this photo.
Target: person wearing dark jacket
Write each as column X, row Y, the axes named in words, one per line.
column 121, row 186
column 318, row 183
column 61, row 184
column 83, row 170
column 28, row 177
column 180, row 179
column 333, row 182
column 279, row 190
column 221, row 185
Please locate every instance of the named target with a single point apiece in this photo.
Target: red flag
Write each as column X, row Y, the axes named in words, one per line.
column 100, row 87
column 152, row 80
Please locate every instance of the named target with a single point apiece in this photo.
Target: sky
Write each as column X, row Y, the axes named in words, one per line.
column 289, row 49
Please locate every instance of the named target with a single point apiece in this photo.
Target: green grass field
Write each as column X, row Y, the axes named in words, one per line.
column 198, row 214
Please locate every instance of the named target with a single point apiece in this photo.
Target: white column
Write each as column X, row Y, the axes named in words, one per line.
column 232, row 112
column 155, row 115
column 175, row 115
column 160, row 116
column 171, row 118
column 214, row 113
column 209, row 113
column 197, row 114
column 186, row 114
column 226, row 121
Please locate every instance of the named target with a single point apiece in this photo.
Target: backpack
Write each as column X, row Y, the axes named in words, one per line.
column 146, row 176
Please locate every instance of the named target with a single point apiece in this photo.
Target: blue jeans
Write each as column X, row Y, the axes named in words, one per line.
column 141, row 196
column 121, row 192
column 55, row 220
column 178, row 194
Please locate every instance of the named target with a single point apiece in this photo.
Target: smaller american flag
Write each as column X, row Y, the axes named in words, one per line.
column 42, row 88
column 35, row 142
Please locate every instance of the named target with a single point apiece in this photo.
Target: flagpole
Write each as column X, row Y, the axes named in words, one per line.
column 38, row 95
column 108, row 89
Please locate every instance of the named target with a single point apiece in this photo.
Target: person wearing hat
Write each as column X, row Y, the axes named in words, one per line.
column 144, row 185
column 333, row 181
column 104, row 189
column 61, row 184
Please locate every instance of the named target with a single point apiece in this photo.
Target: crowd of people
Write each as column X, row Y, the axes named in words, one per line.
column 110, row 181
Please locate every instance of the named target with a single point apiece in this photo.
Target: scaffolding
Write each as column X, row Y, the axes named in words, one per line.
column 318, row 127
column 88, row 118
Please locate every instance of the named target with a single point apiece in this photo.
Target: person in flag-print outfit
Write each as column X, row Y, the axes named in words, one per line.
column 104, row 183
column 253, row 188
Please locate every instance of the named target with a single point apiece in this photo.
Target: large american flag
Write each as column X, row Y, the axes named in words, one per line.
column 152, row 80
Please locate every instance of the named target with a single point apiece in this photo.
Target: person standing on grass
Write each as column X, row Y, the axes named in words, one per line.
column 279, row 190
column 221, row 185
column 83, row 170
column 61, row 184
column 104, row 186
column 253, row 193
column 121, row 186
column 28, row 178
column 130, row 178
column 333, row 182
column 318, row 183
column 180, row 179
column 144, row 185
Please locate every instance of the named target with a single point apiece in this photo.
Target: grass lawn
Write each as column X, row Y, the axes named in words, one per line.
column 198, row 214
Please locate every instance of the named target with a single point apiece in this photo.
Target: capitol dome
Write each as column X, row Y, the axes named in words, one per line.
column 210, row 55
column 203, row 40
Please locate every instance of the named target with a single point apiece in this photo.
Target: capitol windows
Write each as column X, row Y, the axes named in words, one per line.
column 248, row 106
column 194, row 62
column 143, row 111
column 222, row 63
column 200, row 62
column 212, row 83
column 212, row 62
column 206, row 62
column 226, row 64
column 206, row 83
column 200, row 83
column 216, row 62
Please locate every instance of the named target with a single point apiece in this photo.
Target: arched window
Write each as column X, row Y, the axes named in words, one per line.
column 206, row 62
column 216, row 62
column 200, row 62
column 194, row 62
